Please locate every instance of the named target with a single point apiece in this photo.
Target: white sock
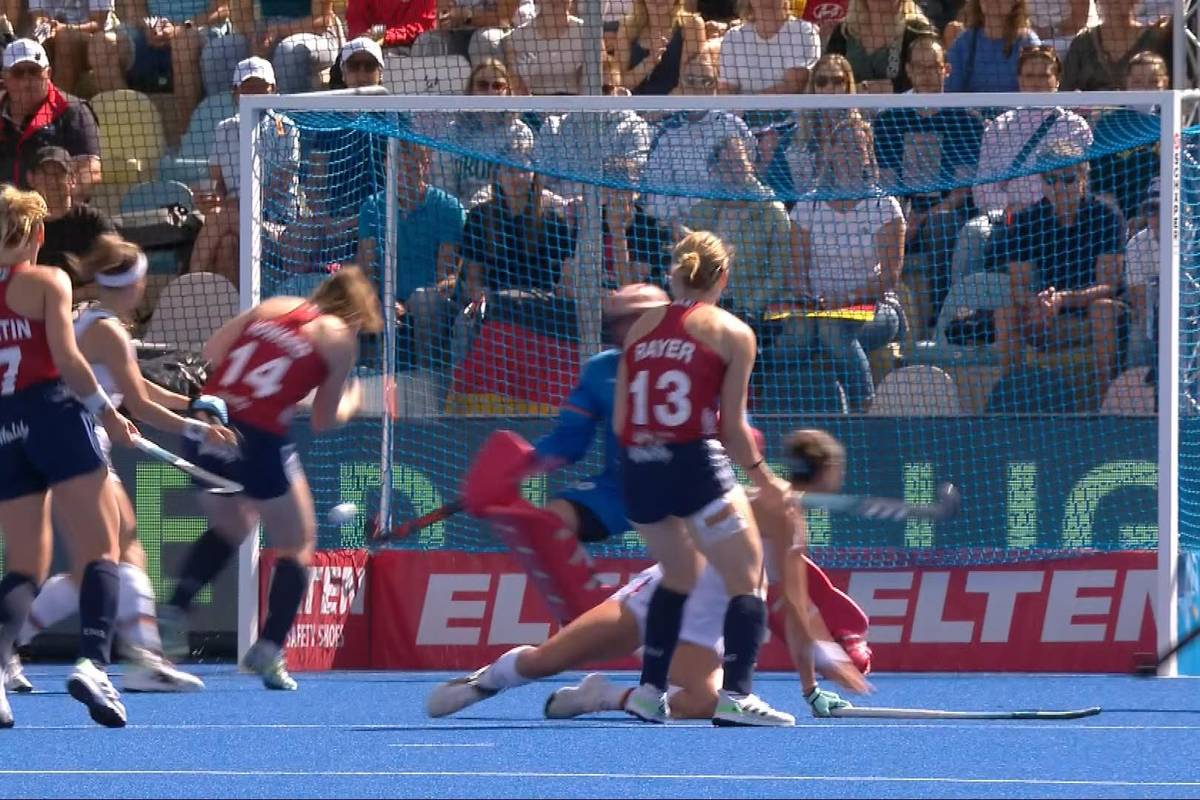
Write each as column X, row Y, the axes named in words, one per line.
column 57, row 600
column 136, row 618
column 613, row 696
column 502, row 674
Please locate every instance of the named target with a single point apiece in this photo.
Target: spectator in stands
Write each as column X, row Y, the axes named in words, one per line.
column 850, row 252
column 469, row 177
column 547, row 55
column 679, row 153
column 771, row 52
column 301, row 37
column 393, row 23
column 65, row 29
column 1057, row 21
column 931, row 154
column 475, row 29
column 875, row 39
column 157, row 50
column 749, row 219
column 1124, row 172
column 71, row 227
column 35, row 113
column 513, row 241
column 984, row 57
column 216, row 248
column 1063, row 256
column 1100, row 56
column 653, row 44
column 643, row 253
column 429, row 230
column 1142, row 270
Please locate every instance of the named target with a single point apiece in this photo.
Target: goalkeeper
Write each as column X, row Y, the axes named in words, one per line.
column 612, row 629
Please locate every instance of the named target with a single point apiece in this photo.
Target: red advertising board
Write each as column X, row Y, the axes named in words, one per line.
column 454, row 610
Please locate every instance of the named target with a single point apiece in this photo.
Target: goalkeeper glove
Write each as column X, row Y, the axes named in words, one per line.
column 208, row 404
column 823, row 703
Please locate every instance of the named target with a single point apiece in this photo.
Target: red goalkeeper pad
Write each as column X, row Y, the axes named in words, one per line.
column 494, row 478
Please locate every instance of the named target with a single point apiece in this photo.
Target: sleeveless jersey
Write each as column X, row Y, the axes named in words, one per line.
column 25, row 358
column 271, row 367
column 84, row 320
column 674, row 387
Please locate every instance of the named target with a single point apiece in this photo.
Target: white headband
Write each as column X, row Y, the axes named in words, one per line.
column 127, row 278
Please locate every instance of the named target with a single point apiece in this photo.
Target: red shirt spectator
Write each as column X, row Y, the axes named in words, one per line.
column 404, row 20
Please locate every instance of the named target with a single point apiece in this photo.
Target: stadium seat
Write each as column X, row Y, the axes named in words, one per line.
column 918, row 391
column 986, row 291
column 131, row 135
column 190, row 163
column 1130, row 394
column 426, row 74
column 153, row 195
column 191, row 309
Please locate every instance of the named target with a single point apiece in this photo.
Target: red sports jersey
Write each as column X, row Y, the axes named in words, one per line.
column 25, row 358
column 271, row 367
column 674, row 389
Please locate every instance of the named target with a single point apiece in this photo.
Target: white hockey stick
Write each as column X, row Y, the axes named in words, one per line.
column 944, row 507
column 216, row 484
column 929, row 713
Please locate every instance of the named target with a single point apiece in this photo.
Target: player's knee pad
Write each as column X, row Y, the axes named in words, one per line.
column 719, row 520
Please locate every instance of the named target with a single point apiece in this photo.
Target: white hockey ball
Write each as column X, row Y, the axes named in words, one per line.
column 342, row 513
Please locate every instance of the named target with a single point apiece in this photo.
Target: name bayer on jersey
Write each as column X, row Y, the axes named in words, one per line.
column 678, row 349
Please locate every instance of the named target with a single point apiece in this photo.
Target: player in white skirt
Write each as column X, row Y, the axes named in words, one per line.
column 119, row 271
column 614, row 629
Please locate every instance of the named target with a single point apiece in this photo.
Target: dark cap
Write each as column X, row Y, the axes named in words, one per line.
column 50, row 154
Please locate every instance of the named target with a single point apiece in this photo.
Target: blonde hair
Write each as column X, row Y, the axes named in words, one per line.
column 495, row 66
column 110, row 253
column 857, row 16
column 637, row 20
column 870, row 168
column 700, row 259
column 21, row 213
column 1014, row 25
column 349, row 295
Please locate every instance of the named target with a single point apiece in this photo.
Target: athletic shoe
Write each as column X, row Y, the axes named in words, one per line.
column 575, row 701
column 453, row 696
column 266, row 658
column 148, row 672
column 748, row 710
column 90, row 685
column 857, row 650
column 649, row 704
column 14, row 677
column 173, row 631
column 6, row 718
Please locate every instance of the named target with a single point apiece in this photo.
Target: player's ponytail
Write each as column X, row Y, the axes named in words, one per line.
column 814, row 456
column 349, row 295
column 21, row 214
column 110, row 256
column 700, row 259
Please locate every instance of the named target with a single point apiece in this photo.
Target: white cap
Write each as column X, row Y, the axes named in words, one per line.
column 363, row 44
column 23, row 50
column 254, row 67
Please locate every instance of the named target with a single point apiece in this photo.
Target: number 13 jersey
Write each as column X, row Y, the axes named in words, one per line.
column 674, row 384
column 271, row 367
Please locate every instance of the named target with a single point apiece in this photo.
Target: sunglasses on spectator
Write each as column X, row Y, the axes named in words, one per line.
column 1067, row 179
column 496, row 86
column 361, row 65
column 829, row 80
column 701, row 81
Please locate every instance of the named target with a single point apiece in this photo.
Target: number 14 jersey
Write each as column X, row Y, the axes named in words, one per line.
column 271, row 367
column 674, row 384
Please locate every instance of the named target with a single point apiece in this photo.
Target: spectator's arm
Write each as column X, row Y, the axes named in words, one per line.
column 1109, row 267
column 88, row 173
column 447, row 267
column 244, row 13
column 632, row 77
column 1020, row 282
column 889, row 249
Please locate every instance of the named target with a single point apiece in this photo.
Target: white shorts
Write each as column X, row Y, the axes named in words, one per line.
column 106, row 451
column 703, row 613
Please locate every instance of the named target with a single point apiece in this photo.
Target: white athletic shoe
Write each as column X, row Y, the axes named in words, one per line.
column 453, row 696
column 575, row 701
column 90, row 685
column 266, row 658
column 6, row 718
column 147, row 672
column 648, row 704
column 748, row 710
column 14, row 677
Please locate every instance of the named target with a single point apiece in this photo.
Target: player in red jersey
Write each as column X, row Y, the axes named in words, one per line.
column 47, row 444
column 680, row 401
column 268, row 360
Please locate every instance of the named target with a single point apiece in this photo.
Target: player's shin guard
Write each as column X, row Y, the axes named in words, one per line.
column 98, row 592
column 745, row 623
column 16, row 598
column 205, row 560
column 664, row 618
column 283, row 601
column 554, row 559
column 136, row 620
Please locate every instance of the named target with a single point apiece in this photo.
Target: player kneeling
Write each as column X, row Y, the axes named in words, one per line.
column 613, row 629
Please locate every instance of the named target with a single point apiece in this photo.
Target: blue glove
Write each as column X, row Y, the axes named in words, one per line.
column 213, row 406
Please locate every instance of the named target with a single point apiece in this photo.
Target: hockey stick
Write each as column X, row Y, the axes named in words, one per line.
column 377, row 535
column 216, row 484
column 888, row 508
column 1148, row 663
column 930, row 713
